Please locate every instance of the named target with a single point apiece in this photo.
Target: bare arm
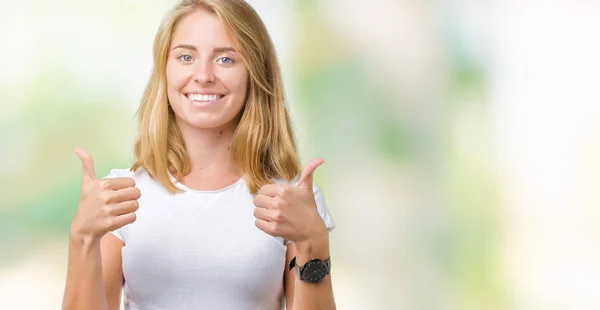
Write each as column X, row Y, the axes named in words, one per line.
column 302, row 295
column 94, row 276
column 84, row 288
column 291, row 212
column 289, row 276
column 112, row 271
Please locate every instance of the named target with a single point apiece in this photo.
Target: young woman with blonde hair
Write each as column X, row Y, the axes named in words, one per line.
column 215, row 213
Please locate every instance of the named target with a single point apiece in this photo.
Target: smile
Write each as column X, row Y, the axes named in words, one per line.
column 204, row 98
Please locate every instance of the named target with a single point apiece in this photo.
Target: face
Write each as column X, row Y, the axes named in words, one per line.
column 206, row 78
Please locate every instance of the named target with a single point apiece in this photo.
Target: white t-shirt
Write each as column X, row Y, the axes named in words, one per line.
column 201, row 249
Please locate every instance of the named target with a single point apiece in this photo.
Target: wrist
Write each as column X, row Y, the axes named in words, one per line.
column 314, row 247
column 83, row 241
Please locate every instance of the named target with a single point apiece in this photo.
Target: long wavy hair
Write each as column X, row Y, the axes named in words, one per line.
column 263, row 144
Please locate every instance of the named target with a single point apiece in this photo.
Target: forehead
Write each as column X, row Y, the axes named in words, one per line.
column 201, row 28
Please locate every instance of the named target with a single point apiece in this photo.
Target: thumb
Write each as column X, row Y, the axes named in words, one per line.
column 306, row 180
column 87, row 164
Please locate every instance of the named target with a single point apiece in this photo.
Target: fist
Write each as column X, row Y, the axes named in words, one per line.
column 104, row 205
column 290, row 211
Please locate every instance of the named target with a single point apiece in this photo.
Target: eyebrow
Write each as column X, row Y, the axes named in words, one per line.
column 215, row 50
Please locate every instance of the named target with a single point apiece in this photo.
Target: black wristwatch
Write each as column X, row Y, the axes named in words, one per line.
column 314, row 271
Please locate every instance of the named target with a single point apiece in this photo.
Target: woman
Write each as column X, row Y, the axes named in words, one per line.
column 215, row 212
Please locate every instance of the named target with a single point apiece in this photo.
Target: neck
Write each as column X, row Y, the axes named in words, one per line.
column 209, row 151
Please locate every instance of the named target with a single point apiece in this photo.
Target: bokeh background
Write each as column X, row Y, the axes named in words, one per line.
column 461, row 139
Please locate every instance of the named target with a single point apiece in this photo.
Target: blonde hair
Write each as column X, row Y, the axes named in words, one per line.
column 263, row 144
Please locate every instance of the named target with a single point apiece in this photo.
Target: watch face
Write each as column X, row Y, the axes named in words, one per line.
column 314, row 271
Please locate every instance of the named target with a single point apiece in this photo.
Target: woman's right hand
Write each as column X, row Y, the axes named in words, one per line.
column 104, row 205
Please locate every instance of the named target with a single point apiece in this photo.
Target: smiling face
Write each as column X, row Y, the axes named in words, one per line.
column 206, row 78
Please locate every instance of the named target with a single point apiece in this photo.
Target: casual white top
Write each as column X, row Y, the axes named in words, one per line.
column 201, row 249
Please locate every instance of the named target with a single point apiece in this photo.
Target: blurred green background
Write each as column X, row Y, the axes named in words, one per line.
column 461, row 141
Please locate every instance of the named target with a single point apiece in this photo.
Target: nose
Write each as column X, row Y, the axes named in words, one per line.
column 204, row 73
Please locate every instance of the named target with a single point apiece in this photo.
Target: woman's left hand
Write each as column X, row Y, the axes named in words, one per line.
column 290, row 211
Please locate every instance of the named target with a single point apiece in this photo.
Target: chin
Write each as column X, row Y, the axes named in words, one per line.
column 208, row 121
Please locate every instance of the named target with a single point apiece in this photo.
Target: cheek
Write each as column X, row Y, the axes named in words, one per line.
column 237, row 82
column 177, row 77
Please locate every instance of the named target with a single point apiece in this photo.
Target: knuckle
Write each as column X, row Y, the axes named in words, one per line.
column 104, row 184
column 109, row 223
column 279, row 203
column 283, row 191
column 105, row 211
column 105, row 197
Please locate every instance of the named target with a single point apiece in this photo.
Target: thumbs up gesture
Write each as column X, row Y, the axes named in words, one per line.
column 104, row 205
column 290, row 211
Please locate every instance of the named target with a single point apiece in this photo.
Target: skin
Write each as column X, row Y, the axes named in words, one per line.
column 201, row 61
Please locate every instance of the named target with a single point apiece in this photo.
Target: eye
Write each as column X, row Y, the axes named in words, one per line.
column 225, row 60
column 185, row 58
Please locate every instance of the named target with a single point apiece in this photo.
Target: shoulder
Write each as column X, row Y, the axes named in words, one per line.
column 143, row 180
column 117, row 173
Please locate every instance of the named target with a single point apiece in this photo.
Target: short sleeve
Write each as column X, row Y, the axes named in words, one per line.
column 119, row 231
column 322, row 209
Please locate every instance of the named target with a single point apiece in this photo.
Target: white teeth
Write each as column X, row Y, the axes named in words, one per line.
column 203, row 98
